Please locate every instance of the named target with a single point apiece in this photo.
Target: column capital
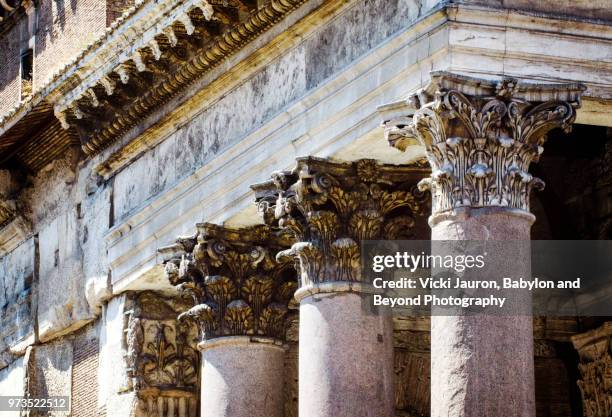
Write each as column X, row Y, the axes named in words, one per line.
column 595, row 351
column 236, row 284
column 481, row 136
column 330, row 207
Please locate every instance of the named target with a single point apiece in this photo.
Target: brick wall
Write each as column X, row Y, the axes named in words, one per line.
column 9, row 64
column 65, row 28
column 84, row 373
column 49, row 371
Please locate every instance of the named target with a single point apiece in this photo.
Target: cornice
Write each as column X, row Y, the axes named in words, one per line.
column 70, row 87
column 221, row 81
column 151, row 53
column 64, row 75
column 484, row 13
column 154, row 61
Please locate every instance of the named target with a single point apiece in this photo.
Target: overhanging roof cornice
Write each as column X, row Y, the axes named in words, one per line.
column 149, row 55
column 155, row 59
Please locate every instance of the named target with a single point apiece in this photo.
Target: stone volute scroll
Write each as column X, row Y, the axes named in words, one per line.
column 241, row 296
column 237, row 286
column 481, row 137
column 330, row 207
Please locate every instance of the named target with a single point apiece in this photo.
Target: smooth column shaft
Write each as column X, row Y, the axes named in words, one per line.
column 241, row 378
column 483, row 365
column 345, row 360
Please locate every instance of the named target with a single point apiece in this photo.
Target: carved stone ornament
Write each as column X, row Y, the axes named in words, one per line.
column 595, row 350
column 162, row 357
column 481, row 137
column 330, row 207
column 234, row 280
column 174, row 43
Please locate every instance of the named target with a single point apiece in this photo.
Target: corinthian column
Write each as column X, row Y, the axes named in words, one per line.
column 241, row 294
column 346, row 351
column 480, row 138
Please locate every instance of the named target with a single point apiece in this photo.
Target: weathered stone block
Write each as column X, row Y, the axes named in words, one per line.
column 62, row 303
column 93, row 226
column 112, row 368
column 211, row 132
column 12, row 382
column 367, row 24
column 16, row 322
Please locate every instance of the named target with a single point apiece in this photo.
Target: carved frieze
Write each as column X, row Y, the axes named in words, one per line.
column 330, row 207
column 162, row 358
column 595, row 350
column 234, row 280
column 481, row 137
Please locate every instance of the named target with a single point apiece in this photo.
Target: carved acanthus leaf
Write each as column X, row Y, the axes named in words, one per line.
column 330, row 207
column 480, row 145
column 233, row 278
column 595, row 351
column 161, row 352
